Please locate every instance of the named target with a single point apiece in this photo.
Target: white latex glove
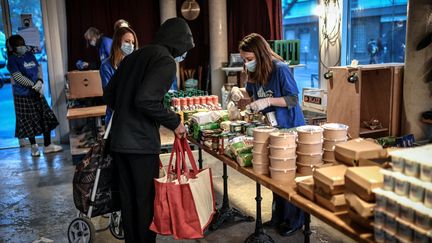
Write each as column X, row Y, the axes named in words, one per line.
column 38, row 86
column 260, row 104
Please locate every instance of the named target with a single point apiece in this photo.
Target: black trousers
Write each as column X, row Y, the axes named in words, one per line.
column 285, row 212
column 137, row 192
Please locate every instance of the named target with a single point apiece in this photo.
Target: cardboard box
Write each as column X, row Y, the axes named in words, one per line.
column 362, row 180
column 305, row 187
column 352, row 151
column 335, row 203
column 84, row 84
column 359, row 220
column 330, row 180
column 360, row 207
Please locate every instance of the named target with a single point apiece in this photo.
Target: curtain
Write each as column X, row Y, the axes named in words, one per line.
column 260, row 16
column 142, row 15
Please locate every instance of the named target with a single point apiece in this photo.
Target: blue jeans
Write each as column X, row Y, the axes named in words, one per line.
column 285, row 212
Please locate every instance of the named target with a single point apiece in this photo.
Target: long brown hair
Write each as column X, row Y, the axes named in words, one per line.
column 264, row 57
column 116, row 55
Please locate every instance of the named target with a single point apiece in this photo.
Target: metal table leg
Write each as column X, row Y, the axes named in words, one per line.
column 258, row 236
column 226, row 213
column 307, row 231
column 200, row 160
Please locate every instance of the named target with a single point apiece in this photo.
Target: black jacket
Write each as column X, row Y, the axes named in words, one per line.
column 137, row 88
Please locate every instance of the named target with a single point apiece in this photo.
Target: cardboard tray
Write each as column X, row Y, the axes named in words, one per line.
column 361, row 208
column 362, row 180
column 330, row 180
column 306, row 188
column 359, row 220
column 335, row 203
column 352, row 151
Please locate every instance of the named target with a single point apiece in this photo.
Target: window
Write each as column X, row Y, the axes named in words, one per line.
column 376, row 31
column 299, row 22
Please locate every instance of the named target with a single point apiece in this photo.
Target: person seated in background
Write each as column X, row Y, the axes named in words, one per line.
column 124, row 43
column 96, row 39
column 33, row 114
column 121, row 23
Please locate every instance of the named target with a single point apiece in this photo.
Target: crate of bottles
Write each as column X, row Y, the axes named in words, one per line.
column 289, row 50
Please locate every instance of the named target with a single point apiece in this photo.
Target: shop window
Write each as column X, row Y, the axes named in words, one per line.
column 376, row 31
column 299, row 22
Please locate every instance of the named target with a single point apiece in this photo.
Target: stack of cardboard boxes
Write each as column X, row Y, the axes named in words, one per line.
column 359, row 183
column 404, row 205
column 330, row 186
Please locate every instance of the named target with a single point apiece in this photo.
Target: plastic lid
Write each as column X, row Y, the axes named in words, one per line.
column 309, row 165
column 310, row 129
column 336, row 140
column 281, row 147
column 311, row 143
column 284, row 159
column 335, row 126
column 284, row 170
column 283, row 134
column 312, row 154
column 253, row 151
column 421, row 208
column 265, row 129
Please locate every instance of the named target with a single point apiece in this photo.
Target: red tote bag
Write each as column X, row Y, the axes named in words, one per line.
column 189, row 195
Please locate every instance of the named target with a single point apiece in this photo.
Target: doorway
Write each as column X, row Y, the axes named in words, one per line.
column 22, row 17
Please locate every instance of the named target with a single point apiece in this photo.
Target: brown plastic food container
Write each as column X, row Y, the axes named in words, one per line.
column 282, row 163
column 283, row 138
column 330, row 144
column 309, row 134
column 328, row 155
column 262, row 134
column 262, row 169
column 311, row 159
column 286, row 175
column 335, row 131
column 260, row 147
column 284, row 152
column 260, row 158
column 309, row 148
column 306, row 169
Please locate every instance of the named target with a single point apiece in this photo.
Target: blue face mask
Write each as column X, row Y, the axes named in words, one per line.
column 21, row 50
column 127, row 48
column 180, row 58
column 251, row 66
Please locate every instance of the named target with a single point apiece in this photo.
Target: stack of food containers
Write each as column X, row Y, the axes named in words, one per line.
column 404, row 205
column 260, row 162
column 309, row 148
column 334, row 133
column 283, row 155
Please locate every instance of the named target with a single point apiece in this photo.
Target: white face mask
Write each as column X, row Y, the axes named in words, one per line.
column 127, row 48
column 92, row 42
column 180, row 58
column 21, row 50
column 251, row 66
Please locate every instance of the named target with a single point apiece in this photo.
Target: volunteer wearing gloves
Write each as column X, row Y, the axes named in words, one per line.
column 136, row 93
column 124, row 43
column 97, row 39
column 273, row 89
column 33, row 115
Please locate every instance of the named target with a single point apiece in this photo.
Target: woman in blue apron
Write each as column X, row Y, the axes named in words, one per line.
column 33, row 114
column 273, row 89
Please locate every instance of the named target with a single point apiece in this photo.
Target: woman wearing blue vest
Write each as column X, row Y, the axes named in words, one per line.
column 33, row 115
column 273, row 89
column 97, row 39
column 124, row 43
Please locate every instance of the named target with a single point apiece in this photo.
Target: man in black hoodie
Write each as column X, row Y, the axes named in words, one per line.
column 135, row 93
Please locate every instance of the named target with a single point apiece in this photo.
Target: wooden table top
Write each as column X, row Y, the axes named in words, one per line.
column 288, row 191
column 85, row 112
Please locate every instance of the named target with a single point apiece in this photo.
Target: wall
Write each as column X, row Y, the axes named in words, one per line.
column 418, row 70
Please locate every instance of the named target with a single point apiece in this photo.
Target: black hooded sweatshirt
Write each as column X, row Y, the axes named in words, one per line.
column 137, row 88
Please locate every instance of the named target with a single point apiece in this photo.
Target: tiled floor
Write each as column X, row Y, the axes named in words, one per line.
column 36, row 202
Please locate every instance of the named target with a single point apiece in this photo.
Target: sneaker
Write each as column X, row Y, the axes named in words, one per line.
column 35, row 150
column 52, row 148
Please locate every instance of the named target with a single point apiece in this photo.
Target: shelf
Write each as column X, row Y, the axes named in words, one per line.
column 365, row 131
column 84, row 112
